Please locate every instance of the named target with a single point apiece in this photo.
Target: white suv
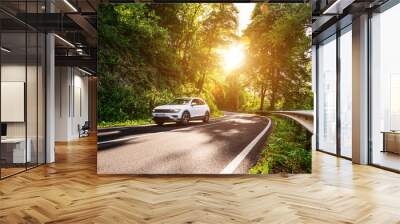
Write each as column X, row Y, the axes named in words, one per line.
column 182, row 110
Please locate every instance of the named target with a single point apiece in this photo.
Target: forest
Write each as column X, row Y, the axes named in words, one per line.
column 151, row 53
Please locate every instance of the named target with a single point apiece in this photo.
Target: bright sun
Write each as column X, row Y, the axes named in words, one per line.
column 232, row 57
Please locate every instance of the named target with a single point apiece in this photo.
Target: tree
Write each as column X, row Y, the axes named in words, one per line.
column 278, row 46
column 135, row 61
column 219, row 30
column 151, row 53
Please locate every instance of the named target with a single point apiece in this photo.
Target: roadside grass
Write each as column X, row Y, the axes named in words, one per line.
column 109, row 124
column 216, row 113
column 143, row 121
column 287, row 150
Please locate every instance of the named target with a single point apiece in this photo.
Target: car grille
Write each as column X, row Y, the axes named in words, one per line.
column 163, row 111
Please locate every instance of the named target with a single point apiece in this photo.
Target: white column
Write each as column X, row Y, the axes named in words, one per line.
column 360, row 90
column 50, row 92
column 50, row 99
column 62, row 103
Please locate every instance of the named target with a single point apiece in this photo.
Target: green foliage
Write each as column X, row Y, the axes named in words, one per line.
column 109, row 124
column 287, row 150
column 279, row 64
column 150, row 54
column 215, row 112
column 130, row 80
column 250, row 102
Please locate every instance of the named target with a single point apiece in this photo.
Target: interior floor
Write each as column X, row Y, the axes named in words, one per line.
column 8, row 171
column 12, row 169
column 70, row 191
column 387, row 159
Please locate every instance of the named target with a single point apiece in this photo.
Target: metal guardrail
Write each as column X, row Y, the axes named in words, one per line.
column 303, row 117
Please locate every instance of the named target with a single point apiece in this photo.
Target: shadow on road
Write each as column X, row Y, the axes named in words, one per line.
column 118, row 143
column 108, row 134
column 195, row 148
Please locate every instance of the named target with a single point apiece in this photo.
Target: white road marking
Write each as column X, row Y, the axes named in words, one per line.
column 124, row 139
column 157, row 133
column 231, row 167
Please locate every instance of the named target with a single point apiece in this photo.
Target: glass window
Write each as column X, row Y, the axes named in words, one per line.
column 327, row 95
column 22, row 86
column 346, row 92
column 41, row 99
column 195, row 102
column 385, row 88
column 31, row 97
column 15, row 149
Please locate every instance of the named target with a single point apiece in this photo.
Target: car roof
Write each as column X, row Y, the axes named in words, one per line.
column 189, row 98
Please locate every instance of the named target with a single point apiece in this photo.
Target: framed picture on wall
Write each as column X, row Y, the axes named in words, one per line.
column 186, row 88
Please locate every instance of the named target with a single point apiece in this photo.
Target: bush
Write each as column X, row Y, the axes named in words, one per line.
column 286, row 150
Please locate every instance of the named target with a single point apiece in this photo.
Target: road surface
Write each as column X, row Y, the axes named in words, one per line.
column 230, row 144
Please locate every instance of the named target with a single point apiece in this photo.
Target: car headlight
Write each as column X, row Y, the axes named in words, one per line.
column 175, row 110
column 154, row 110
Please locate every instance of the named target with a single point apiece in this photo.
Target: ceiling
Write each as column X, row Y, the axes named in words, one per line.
column 73, row 21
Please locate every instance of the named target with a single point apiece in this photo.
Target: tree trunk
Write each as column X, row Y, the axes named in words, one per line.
column 274, row 89
column 262, row 96
column 273, row 99
column 203, row 78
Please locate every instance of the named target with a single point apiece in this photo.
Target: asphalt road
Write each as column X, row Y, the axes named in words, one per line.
column 229, row 145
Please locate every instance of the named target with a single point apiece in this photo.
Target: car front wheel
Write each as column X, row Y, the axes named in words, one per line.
column 206, row 117
column 185, row 118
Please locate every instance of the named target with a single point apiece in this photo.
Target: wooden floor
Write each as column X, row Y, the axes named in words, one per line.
column 69, row 191
column 5, row 172
column 387, row 159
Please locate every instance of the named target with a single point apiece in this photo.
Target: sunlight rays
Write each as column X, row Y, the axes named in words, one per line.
column 232, row 57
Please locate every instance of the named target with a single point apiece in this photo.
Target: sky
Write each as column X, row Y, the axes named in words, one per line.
column 245, row 11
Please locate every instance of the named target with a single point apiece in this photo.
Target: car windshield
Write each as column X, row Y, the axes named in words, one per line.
column 180, row 102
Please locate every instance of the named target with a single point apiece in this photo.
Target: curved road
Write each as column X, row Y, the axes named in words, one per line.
column 226, row 145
